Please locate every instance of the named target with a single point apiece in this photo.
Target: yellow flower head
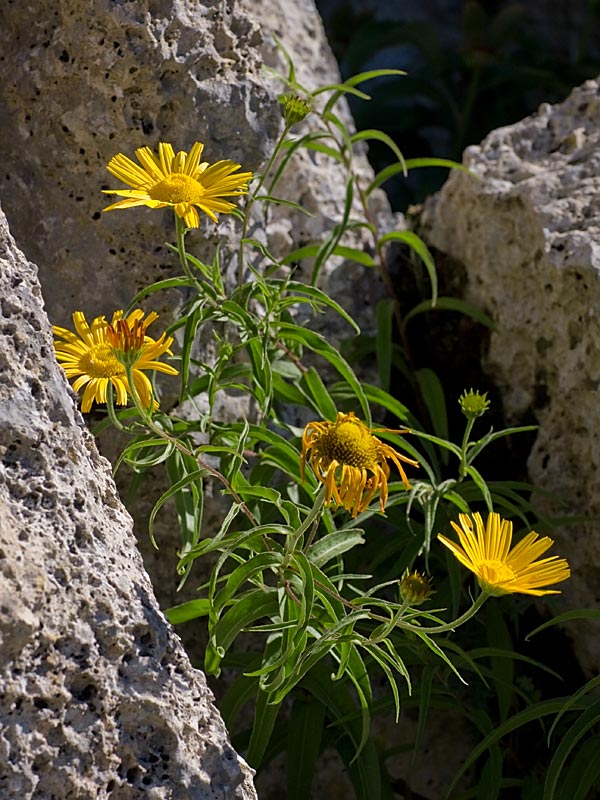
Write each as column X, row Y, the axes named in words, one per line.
column 179, row 180
column 350, row 461
column 500, row 570
column 95, row 356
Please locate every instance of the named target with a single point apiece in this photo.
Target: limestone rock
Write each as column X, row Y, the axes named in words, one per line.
column 527, row 230
column 77, row 87
column 97, row 697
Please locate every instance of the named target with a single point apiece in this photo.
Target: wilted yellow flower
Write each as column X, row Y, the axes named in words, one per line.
column 350, row 461
column 180, row 181
column 500, row 570
column 95, row 356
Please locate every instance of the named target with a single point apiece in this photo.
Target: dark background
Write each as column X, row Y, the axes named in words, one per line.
column 472, row 66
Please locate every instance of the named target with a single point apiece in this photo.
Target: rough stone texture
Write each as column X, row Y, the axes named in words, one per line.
column 97, row 697
column 527, row 230
column 77, row 87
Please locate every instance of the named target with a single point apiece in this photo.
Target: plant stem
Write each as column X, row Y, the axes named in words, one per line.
column 252, row 199
column 180, row 232
column 450, row 626
column 149, row 422
column 462, row 470
column 312, row 518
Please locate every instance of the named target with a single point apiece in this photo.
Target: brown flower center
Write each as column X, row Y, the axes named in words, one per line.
column 350, row 443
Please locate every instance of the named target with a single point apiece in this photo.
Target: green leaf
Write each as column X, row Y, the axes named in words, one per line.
column 537, row 711
column 311, row 250
column 376, row 395
column 413, row 163
column 420, row 248
column 305, row 731
column 585, row 770
column 187, row 611
column 364, row 770
column 159, row 286
column 247, row 571
column 190, row 533
column 502, row 668
column 334, row 545
column 426, row 682
column 253, row 606
column 379, row 136
column 384, row 315
column 568, row 616
column 316, row 297
column 279, row 201
column 479, row 480
column 323, row 148
column 320, row 345
column 318, row 395
column 451, row 304
column 241, row 691
column 189, row 338
column 589, row 718
column 348, row 85
column 265, row 714
column 438, row 652
column 592, row 684
column 332, row 240
column 435, row 400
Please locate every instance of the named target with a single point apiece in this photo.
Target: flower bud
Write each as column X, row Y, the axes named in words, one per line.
column 295, row 108
column 414, row 588
column 473, row 404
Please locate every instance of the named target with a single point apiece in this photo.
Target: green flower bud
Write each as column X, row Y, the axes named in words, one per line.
column 295, row 108
column 473, row 404
column 415, row 588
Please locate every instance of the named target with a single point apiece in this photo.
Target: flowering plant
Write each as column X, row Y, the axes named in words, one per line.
column 314, row 561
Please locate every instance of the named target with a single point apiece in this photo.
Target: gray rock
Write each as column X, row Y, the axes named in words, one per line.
column 527, row 230
column 97, row 696
column 76, row 88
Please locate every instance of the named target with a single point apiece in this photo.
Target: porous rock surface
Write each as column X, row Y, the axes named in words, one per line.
column 527, row 230
column 97, row 697
column 78, row 86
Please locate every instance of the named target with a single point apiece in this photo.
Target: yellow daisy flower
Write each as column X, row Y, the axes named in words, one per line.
column 350, row 461
column 500, row 570
column 95, row 356
column 180, row 181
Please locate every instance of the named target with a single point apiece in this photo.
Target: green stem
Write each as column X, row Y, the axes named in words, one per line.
column 450, row 626
column 384, row 630
column 462, row 470
column 149, row 422
column 180, row 231
column 312, row 518
column 252, row 199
